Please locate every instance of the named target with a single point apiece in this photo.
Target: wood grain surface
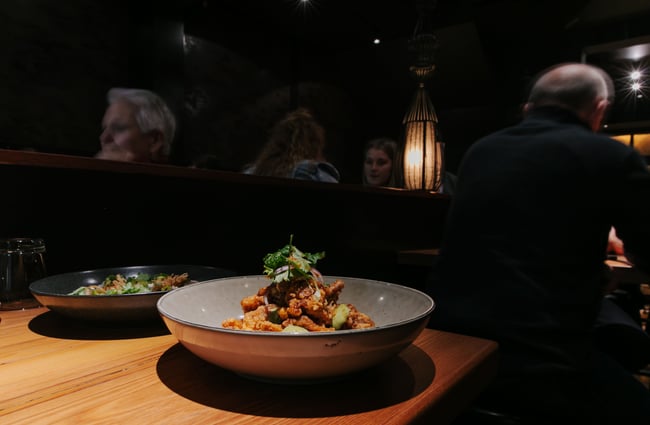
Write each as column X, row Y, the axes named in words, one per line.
column 55, row 371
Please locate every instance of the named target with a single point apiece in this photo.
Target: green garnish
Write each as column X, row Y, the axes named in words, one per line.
column 340, row 316
column 289, row 262
column 117, row 284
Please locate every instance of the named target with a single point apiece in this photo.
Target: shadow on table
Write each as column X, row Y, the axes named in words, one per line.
column 389, row 383
column 54, row 325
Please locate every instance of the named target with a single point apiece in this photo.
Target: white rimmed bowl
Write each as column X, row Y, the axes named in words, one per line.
column 194, row 315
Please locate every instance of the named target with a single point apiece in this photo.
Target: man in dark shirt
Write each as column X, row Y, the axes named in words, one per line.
column 522, row 259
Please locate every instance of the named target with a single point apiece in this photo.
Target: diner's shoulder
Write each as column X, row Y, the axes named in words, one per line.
column 315, row 170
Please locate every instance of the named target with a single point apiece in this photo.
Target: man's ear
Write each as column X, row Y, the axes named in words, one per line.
column 597, row 116
column 156, row 151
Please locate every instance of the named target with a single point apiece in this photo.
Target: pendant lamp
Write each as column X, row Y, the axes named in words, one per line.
column 423, row 154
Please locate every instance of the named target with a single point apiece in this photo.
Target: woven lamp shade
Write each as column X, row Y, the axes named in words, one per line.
column 423, row 154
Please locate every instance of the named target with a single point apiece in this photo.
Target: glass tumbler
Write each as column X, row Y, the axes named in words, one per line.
column 21, row 263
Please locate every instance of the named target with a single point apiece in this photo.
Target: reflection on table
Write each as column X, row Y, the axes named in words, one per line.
column 56, row 370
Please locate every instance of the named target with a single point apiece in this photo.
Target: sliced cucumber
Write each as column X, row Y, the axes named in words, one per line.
column 294, row 329
column 273, row 314
column 341, row 313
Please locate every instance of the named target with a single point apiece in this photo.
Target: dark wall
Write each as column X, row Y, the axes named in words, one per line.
column 231, row 68
column 227, row 87
column 60, row 58
column 138, row 214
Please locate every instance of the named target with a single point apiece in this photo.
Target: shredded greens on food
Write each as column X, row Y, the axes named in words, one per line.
column 289, row 262
column 298, row 299
column 118, row 284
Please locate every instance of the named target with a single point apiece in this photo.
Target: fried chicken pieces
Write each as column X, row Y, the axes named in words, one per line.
column 305, row 302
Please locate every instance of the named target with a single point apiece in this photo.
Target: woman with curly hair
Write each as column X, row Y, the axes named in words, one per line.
column 295, row 150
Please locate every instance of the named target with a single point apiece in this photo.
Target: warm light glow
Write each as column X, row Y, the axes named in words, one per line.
column 421, row 149
column 623, row 138
column 423, row 160
column 423, row 154
column 414, row 158
column 640, row 141
column 635, row 75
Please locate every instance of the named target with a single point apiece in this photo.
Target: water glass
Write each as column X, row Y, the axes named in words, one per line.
column 21, row 263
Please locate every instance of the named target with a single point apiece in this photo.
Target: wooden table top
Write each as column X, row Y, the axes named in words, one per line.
column 56, row 370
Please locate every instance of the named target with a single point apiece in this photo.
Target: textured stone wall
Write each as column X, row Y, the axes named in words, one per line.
column 62, row 56
column 59, row 58
column 231, row 102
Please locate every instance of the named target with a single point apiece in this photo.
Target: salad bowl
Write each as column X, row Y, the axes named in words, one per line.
column 55, row 292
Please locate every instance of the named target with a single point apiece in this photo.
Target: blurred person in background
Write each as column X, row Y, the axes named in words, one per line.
column 295, row 150
column 382, row 166
column 381, row 163
column 137, row 126
column 522, row 259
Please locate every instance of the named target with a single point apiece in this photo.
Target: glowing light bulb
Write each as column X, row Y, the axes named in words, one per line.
column 414, row 158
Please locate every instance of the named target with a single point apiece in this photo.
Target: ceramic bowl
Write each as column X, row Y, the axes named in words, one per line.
column 53, row 292
column 194, row 315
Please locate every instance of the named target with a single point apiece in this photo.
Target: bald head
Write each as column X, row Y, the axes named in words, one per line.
column 584, row 89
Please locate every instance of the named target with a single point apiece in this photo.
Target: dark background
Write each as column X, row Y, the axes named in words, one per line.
column 230, row 68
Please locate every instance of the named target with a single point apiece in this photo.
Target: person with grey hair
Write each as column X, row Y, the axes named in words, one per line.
column 522, row 257
column 137, row 126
